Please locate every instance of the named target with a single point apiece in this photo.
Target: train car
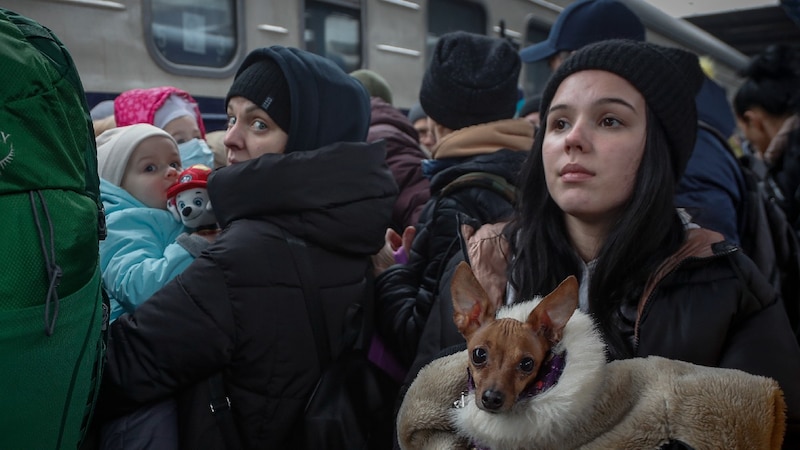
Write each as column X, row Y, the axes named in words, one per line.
column 197, row 45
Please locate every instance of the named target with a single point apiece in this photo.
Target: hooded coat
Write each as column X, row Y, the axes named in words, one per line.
column 404, row 157
column 239, row 309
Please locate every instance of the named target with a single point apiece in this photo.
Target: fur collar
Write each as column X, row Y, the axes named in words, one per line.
column 633, row 403
column 554, row 410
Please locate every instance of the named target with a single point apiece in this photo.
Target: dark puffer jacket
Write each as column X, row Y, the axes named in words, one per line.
column 239, row 309
column 709, row 305
column 406, row 293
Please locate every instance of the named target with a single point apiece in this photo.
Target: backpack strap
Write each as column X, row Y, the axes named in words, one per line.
column 220, row 402
column 311, row 295
column 220, row 405
column 485, row 180
column 717, row 134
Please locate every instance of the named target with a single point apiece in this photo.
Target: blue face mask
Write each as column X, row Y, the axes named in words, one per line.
column 196, row 151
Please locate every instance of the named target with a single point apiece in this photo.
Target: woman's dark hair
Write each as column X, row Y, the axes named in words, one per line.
column 773, row 82
column 648, row 231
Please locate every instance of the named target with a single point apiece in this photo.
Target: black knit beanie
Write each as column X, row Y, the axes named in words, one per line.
column 668, row 79
column 472, row 79
column 262, row 82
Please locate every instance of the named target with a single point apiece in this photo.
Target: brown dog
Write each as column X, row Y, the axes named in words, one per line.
column 507, row 354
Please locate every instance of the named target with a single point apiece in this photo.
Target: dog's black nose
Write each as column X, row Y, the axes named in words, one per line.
column 492, row 400
column 186, row 211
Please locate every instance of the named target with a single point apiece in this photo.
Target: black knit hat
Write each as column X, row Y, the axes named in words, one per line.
column 472, row 79
column 262, row 82
column 668, row 79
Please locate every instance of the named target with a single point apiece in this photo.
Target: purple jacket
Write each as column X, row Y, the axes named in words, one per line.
column 404, row 158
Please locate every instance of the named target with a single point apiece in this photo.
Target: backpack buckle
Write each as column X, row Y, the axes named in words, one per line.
column 219, row 405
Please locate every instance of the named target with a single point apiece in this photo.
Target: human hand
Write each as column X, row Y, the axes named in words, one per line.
column 385, row 257
column 402, row 253
column 393, row 244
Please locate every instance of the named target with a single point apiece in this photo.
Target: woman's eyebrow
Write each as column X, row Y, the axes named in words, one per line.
column 615, row 100
column 601, row 101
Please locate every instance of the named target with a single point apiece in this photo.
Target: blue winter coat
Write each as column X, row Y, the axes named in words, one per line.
column 140, row 254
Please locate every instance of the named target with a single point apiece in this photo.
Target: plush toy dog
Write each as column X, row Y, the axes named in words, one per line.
column 188, row 201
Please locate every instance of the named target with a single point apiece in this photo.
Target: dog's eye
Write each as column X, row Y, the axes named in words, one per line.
column 526, row 365
column 479, row 356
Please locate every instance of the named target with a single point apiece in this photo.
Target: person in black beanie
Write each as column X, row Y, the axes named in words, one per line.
column 597, row 202
column 714, row 198
column 469, row 93
column 299, row 170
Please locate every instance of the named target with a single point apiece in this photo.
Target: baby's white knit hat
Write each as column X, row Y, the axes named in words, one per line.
column 115, row 146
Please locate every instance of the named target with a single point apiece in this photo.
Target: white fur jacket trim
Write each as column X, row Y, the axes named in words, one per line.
column 635, row 403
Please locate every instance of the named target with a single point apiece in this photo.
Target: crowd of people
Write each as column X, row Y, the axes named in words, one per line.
column 615, row 173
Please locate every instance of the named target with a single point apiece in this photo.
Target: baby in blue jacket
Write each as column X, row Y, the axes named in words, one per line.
column 146, row 246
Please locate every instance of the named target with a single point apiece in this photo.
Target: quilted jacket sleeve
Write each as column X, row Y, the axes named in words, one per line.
column 183, row 333
column 405, row 294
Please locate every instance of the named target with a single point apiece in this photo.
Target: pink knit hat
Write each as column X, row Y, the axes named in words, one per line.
column 143, row 105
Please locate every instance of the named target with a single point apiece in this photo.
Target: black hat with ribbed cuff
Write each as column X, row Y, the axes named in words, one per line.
column 668, row 79
column 262, row 82
column 472, row 79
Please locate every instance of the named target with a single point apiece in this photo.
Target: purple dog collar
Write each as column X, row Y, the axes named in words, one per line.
column 548, row 376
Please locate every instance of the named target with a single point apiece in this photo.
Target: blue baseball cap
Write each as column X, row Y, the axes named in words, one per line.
column 585, row 22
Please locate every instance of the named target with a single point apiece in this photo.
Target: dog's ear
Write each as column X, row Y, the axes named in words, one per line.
column 471, row 305
column 552, row 313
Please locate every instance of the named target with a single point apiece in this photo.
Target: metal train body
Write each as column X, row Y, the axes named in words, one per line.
column 197, row 45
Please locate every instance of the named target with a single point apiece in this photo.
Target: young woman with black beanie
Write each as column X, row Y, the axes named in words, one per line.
column 618, row 126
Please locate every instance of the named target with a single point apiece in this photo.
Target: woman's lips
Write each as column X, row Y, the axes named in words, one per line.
column 575, row 172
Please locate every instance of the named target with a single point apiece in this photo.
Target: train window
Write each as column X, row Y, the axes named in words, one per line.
column 191, row 37
column 333, row 30
column 535, row 74
column 445, row 16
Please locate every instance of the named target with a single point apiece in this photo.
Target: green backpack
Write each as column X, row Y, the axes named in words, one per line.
column 51, row 302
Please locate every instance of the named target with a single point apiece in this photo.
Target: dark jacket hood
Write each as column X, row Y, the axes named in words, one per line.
column 714, row 109
column 339, row 197
column 327, row 105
